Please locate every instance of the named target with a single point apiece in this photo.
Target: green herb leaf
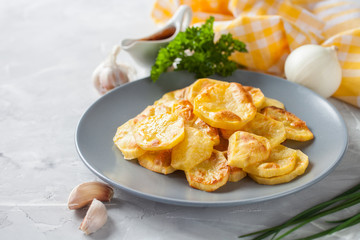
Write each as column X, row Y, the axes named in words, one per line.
column 195, row 51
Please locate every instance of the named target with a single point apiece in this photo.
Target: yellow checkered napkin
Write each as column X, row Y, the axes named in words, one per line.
column 272, row 29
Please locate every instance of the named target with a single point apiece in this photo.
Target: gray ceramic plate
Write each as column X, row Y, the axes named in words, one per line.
column 97, row 126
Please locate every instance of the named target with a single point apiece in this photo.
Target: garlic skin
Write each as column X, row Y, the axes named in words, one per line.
column 95, row 217
column 109, row 74
column 314, row 67
column 83, row 194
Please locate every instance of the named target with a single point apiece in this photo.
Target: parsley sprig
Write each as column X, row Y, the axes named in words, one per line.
column 195, row 51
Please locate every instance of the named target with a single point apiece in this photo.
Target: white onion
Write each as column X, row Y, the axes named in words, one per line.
column 314, row 67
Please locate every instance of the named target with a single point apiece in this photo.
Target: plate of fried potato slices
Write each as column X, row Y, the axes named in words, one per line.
column 217, row 141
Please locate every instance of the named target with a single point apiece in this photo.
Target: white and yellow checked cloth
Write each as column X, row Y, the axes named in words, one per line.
column 272, row 29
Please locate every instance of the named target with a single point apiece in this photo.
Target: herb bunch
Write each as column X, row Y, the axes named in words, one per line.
column 195, row 51
column 345, row 200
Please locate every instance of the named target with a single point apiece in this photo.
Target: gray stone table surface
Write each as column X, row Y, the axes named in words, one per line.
column 48, row 51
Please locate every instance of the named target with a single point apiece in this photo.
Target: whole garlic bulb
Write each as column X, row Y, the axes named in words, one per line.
column 109, row 74
column 314, row 67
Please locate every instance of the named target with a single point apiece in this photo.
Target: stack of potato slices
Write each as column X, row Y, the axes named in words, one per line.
column 216, row 132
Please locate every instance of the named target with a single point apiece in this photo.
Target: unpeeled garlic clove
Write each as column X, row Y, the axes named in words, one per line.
column 95, row 217
column 84, row 193
column 110, row 74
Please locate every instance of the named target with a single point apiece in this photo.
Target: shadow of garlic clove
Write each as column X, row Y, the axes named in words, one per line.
column 110, row 74
column 95, row 217
column 83, row 194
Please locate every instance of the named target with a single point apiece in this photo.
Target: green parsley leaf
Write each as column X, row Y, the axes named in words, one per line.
column 195, row 51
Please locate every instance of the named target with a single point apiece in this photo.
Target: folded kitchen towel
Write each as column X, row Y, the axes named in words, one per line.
column 272, row 29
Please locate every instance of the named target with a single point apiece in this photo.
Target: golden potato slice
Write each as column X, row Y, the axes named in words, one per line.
column 210, row 174
column 302, row 162
column 226, row 106
column 125, row 141
column 195, row 88
column 263, row 126
column 195, row 148
column 211, row 132
column 281, row 161
column 236, row 174
column 159, row 132
column 267, row 127
column 272, row 102
column 247, row 149
column 257, row 95
column 296, row 128
column 184, row 109
column 180, row 94
column 152, row 110
column 169, row 98
column 157, row 161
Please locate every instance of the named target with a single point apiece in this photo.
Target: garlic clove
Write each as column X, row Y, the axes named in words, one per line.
column 110, row 74
column 83, row 194
column 95, row 217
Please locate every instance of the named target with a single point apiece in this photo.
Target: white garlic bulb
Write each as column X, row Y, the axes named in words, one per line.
column 110, row 74
column 314, row 67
